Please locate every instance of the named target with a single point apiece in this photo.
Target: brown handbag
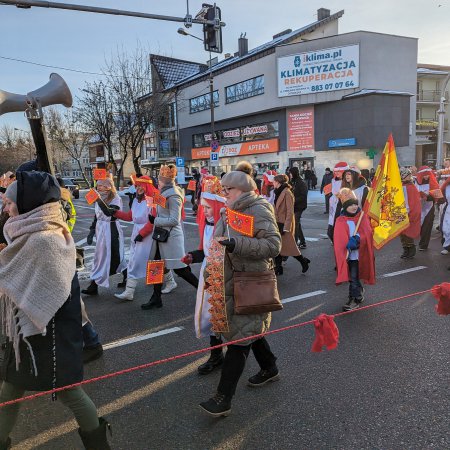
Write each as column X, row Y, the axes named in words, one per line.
column 255, row 292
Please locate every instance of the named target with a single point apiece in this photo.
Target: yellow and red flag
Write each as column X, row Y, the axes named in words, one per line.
column 385, row 202
column 92, row 196
column 99, row 174
column 155, row 272
column 242, row 223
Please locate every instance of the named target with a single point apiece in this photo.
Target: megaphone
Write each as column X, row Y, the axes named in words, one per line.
column 55, row 92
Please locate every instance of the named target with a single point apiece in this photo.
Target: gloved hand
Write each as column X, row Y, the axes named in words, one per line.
column 107, row 211
column 229, row 244
column 151, row 219
column 138, row 238
column 90, row 237
column 187, row 259
column 353, row 243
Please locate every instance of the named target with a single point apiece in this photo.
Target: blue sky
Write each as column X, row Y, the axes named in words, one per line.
column 82, row 41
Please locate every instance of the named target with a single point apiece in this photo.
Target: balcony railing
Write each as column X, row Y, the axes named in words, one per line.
column 429, row 124
column 430, row 96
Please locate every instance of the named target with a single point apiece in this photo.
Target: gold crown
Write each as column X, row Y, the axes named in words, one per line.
column 346, row 194
column 211, row 185
column 169, row 171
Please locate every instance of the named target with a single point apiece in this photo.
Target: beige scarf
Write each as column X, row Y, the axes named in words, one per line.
column 36, row 272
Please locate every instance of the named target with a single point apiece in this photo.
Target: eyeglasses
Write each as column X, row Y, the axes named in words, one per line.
column 226, row 190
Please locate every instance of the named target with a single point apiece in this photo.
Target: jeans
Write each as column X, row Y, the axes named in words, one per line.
column 355, row 288
column 298, row 227
column 234, row 363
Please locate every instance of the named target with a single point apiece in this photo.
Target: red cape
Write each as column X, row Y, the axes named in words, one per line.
column 415, row 210
column 366, row 256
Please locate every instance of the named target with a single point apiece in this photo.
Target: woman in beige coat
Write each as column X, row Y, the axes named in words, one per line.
column 284, row 215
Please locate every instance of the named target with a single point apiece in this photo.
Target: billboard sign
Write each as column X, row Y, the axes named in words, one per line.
column 301, row 128
column 320, row 71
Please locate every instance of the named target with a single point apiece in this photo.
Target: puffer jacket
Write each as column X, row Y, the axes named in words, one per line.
column 249, row 255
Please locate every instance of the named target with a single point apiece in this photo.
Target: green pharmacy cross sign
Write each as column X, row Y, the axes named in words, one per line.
column 371, row 153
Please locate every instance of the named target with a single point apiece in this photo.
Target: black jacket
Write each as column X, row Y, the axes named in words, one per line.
column 327, row 178
column 300, row 191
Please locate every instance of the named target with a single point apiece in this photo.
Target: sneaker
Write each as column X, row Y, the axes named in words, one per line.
column 303, row 245
column 444, row 252
column 92, row 353
column 219, row 405
column 351, row 304
column 263, row 377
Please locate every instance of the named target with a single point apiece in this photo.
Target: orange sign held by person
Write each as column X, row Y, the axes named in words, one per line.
column 327, row 189
column 242, row 223
column 92, row 196
column 155, row 272
column 99, row 174
column 191, row 185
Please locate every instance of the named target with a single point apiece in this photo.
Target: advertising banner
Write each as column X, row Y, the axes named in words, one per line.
column 301, row 128
column 239, row 149
column 315, row 72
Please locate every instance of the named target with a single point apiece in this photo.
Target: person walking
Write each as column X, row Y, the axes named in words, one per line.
column 284, row 215
column 352, row 179
column 326, row 181
column 41, row 314
column 300, row 192
column 109, row 256
column 445, row 218
column 243, row 254
column 334, row 204
column 168, row 218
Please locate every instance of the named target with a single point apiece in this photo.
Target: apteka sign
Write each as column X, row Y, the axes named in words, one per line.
column 331, row 69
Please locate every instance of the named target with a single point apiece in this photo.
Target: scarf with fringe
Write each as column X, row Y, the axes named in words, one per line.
column 36, row 272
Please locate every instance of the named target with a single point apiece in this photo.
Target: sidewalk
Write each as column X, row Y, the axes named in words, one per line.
column 315, row 197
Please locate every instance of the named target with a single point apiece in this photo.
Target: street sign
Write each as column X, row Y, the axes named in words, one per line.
column 214, row 145
column 180, row 162
column 348, row 142
column 214, row 159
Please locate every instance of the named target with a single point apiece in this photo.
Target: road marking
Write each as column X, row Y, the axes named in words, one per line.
column 401, row 272
column 323, row 235
column 302, row 296
column 144, row 337
column 83, row 241
column 311, row 239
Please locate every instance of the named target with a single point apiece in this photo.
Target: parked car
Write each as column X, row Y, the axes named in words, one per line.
column 73, row 186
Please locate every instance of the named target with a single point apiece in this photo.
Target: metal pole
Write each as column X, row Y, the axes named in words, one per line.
column 441, row 113
column 93, row 9
column 211, row 97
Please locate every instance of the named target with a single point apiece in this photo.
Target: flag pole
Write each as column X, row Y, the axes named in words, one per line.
column 356, row 229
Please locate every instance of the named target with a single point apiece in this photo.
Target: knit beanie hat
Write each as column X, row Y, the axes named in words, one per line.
column 241, row 178
column 405, row 174
column 11, row 192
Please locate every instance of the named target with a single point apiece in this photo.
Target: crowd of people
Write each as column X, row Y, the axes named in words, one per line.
column 46, row 334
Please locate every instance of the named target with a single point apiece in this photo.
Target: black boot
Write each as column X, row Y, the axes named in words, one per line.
column 412, row 252
column 123, row 283
column 215, row 360
column 219, row 405
column 154, row 302
column 5, row 445
column 304, row 262
column 96, row 439
column 92, row 289
column 405, row 252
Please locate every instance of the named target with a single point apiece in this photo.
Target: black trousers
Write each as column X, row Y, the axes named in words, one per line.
column 184, row 273
column 234, row 363
column 298, row 227
column 426, row 229
column 327, row 203
column 355, row 288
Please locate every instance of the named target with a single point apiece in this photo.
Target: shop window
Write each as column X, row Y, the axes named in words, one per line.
column 244, row 89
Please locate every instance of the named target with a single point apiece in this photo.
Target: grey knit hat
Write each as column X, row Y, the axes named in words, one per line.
column 405, row 174
column 240, row 178
column 11, row 192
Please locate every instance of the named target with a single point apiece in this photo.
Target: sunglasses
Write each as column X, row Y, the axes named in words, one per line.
column 226, row 190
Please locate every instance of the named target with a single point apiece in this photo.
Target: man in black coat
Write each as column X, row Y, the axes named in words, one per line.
column 300, row 191
column 325, row 181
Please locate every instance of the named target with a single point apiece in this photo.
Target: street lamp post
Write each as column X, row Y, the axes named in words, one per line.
column 183, row 32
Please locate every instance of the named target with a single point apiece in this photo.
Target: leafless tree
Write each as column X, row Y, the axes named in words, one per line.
column 67, row 135
column 16, row 147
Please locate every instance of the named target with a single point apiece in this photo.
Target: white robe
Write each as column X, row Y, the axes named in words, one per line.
column 426, row 205
column 102, row 257
column 139, row 252
column 334, row 200
column 445, row 226
column 202, row 314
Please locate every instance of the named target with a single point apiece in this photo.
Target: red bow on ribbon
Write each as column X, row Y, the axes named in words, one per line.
column 327, row 333
column 442, row 293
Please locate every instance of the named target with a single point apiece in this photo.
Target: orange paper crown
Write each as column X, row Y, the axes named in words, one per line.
column 169, row 171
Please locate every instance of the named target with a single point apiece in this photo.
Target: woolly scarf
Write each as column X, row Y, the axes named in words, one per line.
column 36, row 272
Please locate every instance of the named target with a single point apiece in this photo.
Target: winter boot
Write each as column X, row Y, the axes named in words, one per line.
column 304, row 262
column 351, row 304
column 412, row 252
column 263, row 377
column 92, row 289
column 5, row 445
column 219, row 405
column 278, row 260
column 128, row 293
column 405, row 252
column 169, row 283
column 96, row 439
column 123, row 283
column 215, row 360
column 154, row 302
column 92, row 353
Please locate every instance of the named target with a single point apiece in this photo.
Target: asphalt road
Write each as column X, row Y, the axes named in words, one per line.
column 386, row 386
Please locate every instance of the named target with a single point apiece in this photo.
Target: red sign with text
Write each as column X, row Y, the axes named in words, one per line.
column 301, row 129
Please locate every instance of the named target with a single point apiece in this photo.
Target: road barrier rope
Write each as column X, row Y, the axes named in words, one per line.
column 203, row 350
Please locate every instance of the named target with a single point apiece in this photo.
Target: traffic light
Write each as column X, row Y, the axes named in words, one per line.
column 212, row 33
